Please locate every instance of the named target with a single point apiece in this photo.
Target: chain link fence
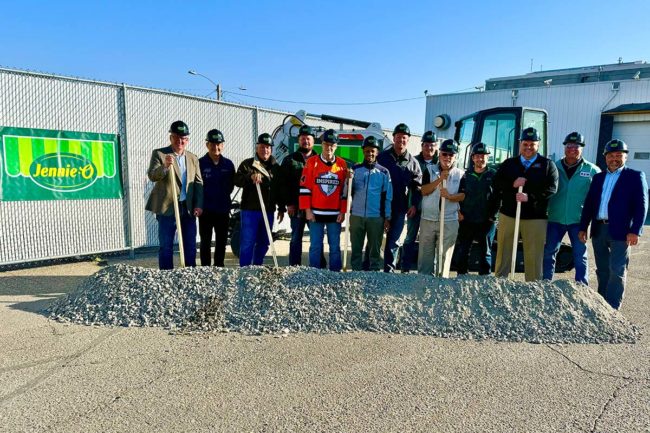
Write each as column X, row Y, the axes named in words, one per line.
column 140, row 117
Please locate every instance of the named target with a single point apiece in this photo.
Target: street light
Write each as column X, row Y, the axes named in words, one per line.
column 216, row 85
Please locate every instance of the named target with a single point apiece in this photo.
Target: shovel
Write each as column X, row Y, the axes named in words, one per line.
column 347, row 225
column 442, row 269
column 516, row 237
column 262, row 170
column 177, row 214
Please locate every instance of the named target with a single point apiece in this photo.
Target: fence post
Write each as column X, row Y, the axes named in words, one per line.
column 122, row 118
column 256, row 123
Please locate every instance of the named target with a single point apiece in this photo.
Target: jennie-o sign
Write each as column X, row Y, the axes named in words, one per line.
column 41, row 164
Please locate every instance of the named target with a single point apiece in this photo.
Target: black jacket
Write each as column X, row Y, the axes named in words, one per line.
column 481, row 202
column 290, row 174
column 269, row 187
column 542, row 180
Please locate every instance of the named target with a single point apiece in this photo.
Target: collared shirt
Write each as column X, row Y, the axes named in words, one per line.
column 608, row 186
column 180, row 159
column 527, row 162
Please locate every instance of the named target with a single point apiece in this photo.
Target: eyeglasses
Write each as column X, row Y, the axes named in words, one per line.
column 446, row 154
column 572, row 146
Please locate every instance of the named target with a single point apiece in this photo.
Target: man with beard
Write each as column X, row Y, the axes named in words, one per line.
column 428, row 155
column 565, row 207
column 370, row 212
column 616, row 206
column 290, row 174
column 432, row 193
column 538, row 177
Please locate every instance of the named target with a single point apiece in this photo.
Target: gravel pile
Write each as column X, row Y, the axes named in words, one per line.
column 258, row 300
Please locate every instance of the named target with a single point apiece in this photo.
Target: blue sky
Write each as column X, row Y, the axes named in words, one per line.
column 320, row 51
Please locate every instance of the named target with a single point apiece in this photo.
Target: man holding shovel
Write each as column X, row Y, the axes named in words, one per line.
column 537, row 177
column 440, row 204
column 260, row 170
column 177, row 196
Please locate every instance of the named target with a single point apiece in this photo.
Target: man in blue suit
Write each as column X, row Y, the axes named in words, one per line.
column 616, row 206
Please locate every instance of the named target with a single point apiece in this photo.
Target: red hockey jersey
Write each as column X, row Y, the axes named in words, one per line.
column 322, row 187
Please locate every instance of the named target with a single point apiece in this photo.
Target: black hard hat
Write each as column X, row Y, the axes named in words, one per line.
column 449, row 146
column 480, row 149
column 615, row 145
column 306, row 130
column 265, row 139
column 402, row 128
column 429, row 137
column 370, row 141
column 179, row 128
column 529, row 134
column 574, row 138
column 330, row 136
column 214, row 136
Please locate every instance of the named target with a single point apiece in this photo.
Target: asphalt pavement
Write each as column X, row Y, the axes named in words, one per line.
column 71, row 378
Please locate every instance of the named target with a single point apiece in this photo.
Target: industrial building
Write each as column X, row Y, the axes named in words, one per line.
column 601, row 102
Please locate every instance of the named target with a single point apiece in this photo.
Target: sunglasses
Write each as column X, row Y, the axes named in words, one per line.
column 446, row 154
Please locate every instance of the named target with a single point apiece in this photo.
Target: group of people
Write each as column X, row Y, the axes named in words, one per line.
column 443, row 206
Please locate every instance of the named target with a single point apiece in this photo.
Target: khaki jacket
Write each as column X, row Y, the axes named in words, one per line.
column 161, row 201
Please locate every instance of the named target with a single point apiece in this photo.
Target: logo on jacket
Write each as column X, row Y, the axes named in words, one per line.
column 327, row 182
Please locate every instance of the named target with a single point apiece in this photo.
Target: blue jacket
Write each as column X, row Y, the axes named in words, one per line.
column 627, row 207
column 406, row 177
column 372, row 191
column 218, row 183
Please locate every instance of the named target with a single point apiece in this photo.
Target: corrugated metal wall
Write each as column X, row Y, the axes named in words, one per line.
column 570, row 108
column 36, row 230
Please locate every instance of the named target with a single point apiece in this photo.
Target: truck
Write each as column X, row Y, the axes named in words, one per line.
column 285, row 136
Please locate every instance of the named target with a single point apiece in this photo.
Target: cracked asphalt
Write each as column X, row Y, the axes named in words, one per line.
column 70, row 378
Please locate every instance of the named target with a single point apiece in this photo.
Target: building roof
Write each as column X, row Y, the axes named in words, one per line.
column 630, row 108
column 587, row 74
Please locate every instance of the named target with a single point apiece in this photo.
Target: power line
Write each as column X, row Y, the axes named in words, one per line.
column 325, row 103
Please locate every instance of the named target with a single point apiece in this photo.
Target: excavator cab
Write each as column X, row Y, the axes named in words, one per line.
column 499, row 128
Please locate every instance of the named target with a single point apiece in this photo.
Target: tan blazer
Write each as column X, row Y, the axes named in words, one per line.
column 161, row 201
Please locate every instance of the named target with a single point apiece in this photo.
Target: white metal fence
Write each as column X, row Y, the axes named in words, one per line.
column 39, row 230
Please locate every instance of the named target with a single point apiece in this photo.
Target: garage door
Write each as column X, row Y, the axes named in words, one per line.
column 637, row 137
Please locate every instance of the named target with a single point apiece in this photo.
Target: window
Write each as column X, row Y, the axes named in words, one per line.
column 536, row 119
column 499, row 135
column 466, row 132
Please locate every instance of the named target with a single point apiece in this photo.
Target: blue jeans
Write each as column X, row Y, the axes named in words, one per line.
column 298, row 224
column 254, row 241
column 316, row 236
column 166, row 233
column 408, row 248
column 483, row 233
column 295, row 246
column 554, row 234
column 612, row 258
column 392, row 239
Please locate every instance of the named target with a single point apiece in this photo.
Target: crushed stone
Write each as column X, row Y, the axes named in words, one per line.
column 256, row 300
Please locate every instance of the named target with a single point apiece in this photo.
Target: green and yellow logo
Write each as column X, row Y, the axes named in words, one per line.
column 63, row 172
column 41, row 164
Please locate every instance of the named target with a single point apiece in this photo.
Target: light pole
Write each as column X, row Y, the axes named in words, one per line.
column 216, row 85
